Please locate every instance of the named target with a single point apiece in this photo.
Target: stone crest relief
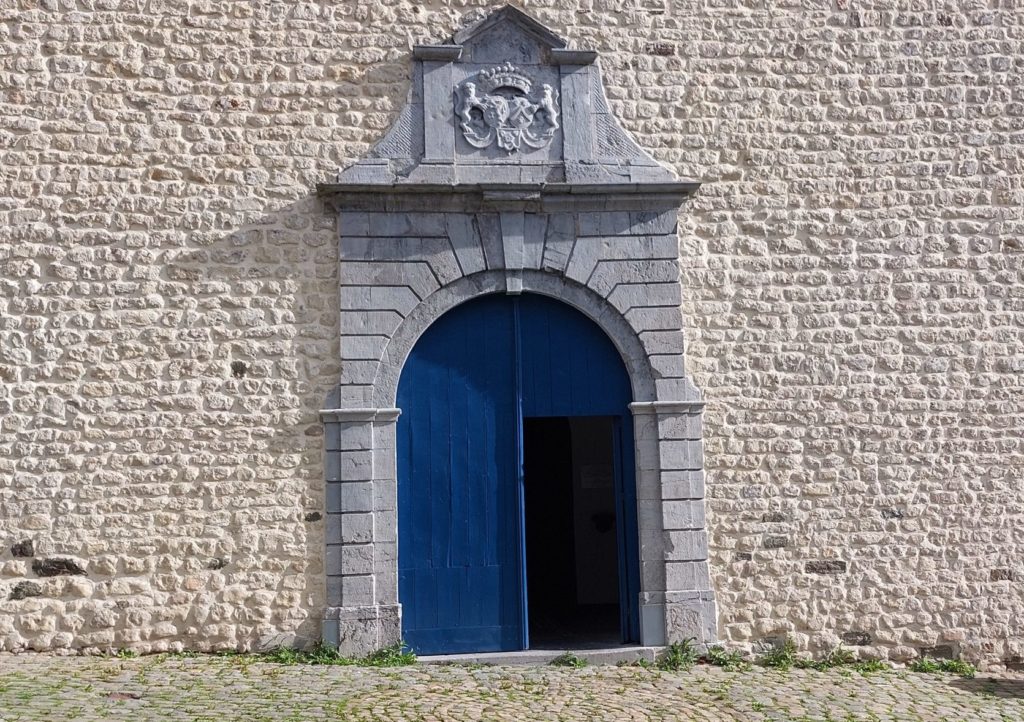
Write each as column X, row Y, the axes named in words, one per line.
column 498, row 105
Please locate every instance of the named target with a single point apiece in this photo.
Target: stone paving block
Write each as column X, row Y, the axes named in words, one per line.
column 235, row 689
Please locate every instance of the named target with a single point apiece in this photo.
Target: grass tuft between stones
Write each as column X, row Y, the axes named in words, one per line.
column 568, row 659
column 782, row 656
column 935, row 666
column 678, row 656
column 729, row 661
column 395, row 655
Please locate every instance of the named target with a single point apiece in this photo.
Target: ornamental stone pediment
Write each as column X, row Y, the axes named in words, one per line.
column 506, row 101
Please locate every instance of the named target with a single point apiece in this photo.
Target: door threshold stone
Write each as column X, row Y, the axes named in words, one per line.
column 537, row 657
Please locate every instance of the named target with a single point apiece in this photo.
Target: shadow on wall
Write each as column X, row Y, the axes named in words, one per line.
column 270, row 299
column 176, row 448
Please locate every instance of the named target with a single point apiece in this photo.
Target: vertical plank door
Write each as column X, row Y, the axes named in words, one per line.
column 465, row 388
column 459, row 561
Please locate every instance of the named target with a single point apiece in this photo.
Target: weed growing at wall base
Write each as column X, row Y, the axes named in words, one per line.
column 934, row 666
column 782, row 656
column 568, row 659
column 729, row 661
column 395, row 655
column 678, row 656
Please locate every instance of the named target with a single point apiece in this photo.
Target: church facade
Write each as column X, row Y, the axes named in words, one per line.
column 627, row 325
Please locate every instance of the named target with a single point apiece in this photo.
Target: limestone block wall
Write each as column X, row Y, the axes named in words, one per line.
column 852, row 275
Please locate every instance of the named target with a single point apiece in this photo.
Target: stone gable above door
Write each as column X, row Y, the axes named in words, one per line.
column 506, row 101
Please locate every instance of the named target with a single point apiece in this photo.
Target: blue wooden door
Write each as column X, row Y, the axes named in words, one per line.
column 458, row 565
column 464, row 390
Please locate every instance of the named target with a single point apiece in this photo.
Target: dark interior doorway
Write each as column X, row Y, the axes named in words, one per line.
column 572, row 569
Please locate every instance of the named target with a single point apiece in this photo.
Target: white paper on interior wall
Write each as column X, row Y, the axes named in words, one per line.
column 506, row 111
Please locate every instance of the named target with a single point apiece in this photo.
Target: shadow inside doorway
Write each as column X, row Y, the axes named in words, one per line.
column 572, row 567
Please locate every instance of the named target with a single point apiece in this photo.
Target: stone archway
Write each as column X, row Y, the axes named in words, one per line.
column 459, row 200
column 559, row 287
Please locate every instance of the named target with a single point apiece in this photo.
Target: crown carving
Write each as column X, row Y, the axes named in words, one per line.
column 503, row 76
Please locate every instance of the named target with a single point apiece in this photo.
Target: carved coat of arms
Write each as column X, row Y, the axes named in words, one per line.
column 497, row 106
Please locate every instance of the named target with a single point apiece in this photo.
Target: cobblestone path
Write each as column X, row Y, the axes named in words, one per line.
column 208, row 689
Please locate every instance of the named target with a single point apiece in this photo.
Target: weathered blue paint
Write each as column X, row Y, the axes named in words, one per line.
column 464, row 391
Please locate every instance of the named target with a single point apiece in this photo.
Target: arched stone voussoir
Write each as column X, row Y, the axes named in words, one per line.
column 615, row 326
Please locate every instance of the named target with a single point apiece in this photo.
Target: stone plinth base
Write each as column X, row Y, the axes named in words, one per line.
column 358, row 631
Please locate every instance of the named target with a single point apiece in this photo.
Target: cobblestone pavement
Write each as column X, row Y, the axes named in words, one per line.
column 205, row 689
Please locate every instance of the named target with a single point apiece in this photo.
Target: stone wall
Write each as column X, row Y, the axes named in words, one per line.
column 853, row 290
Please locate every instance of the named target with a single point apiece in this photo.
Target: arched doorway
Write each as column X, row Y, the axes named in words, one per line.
column 516, row 490
column 444, row 211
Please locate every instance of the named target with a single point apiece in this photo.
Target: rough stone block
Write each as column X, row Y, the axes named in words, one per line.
column 856, row 639
column 682, row 484
column 56, row 566
column 24, row 590
column 357, row 590
column 687, row 575
column 691, row 545
column 349, row 559
column 358, row 637
column 825, row 566
column 696, row 620
column 683, row 515
column 350, row 497
column 465, row 241
column 940, row 651
column 680, row 426
column 25, row 548
column 681, row 454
